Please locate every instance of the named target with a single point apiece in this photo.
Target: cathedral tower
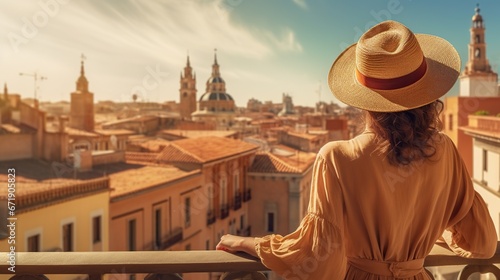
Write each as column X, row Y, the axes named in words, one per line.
column 82, row 103
column 478, row 79
column 187, row 92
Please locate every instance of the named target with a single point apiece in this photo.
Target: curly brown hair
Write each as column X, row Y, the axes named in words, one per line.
column 408, row 133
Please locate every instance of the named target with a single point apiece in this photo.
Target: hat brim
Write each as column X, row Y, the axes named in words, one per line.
column 443, row 69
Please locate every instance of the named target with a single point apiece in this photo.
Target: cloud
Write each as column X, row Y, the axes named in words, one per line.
column 301, row 3
column 286, row 42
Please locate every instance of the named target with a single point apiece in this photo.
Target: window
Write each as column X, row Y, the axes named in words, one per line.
column 34, row 243
column 477, row 53
column 485, row 160
column 68, row 237
column 158, row 228
column 270, row 221
column 478, row 39
column 223, row 191
column 132, row 225
column 242, row 221
column 237, row 183
column 187, row 212
column 210, row 198
column 96, row 229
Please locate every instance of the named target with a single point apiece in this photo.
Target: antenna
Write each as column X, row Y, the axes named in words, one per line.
column 318, row 91
column 36, row 78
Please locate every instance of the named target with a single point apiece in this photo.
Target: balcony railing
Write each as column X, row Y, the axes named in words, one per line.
column 237, row 202
column 224, row 211
column 210, row 217
column 97, row 264
column 247, row 195
column 168, row 240
column 246, row 231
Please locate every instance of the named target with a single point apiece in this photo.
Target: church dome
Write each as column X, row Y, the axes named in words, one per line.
column 215, row 80
column 216, row 96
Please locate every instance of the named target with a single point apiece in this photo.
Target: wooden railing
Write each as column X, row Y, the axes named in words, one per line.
column 169, row 263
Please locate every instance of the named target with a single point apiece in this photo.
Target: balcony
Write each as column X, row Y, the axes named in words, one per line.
column 247, row 195
column 244, row 231
column 237, row 202
column 168, row 240
column 210, row 217
column 224, row 211
column 97, row 264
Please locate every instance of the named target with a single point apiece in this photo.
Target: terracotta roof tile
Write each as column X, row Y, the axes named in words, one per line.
column 140, row 157
column 145, row 177
column 267, row 162
column 40, row 184
column 172, row 154
column 206, row 149
column 199, row 133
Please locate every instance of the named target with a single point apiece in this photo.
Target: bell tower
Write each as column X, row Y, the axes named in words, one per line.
column 478, row 79
column 187, row 91
column 82, row 103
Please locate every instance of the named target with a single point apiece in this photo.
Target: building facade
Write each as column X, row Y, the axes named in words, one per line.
column 55, row 213
column 485, row 134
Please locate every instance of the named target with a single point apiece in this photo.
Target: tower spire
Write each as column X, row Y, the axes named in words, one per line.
column 82, row 83
column 215, row 67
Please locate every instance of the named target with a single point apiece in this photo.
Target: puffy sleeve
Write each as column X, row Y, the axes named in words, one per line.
column 316, row 249
column 470, row 232
column 474, row 236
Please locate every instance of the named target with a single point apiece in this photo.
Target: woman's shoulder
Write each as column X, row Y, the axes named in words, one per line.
column 348, row 148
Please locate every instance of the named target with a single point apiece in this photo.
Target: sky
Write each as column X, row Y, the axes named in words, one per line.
column 264, row 47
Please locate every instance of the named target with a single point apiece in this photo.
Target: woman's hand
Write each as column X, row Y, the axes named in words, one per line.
column 232, row 243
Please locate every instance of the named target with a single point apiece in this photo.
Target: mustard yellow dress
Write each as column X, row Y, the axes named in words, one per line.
column 368, row 219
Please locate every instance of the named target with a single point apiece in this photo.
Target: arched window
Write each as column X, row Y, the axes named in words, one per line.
column 477, row 53
column 478, row 39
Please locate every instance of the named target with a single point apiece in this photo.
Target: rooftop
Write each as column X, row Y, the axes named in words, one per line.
column 42, row 183
column 483, row 126
column 127, row 178
column 282, row 159
column 109, row 132
column 205, row 149
column 199, row 133
column 78, row 132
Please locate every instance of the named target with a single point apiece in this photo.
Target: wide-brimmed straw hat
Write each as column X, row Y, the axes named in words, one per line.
column 391, row 69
